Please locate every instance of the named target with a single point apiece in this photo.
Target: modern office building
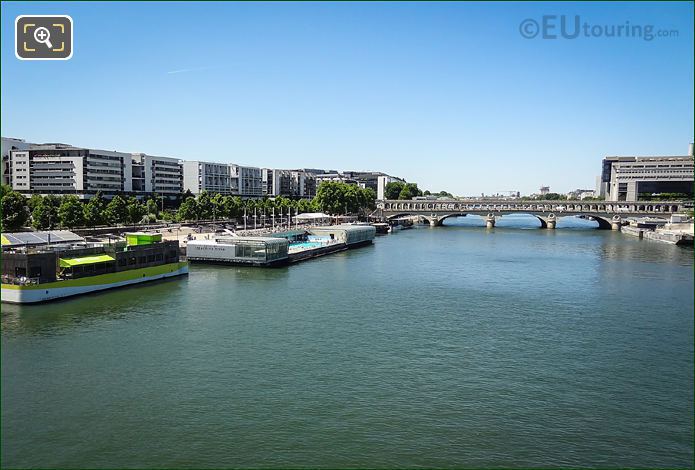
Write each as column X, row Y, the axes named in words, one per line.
column 160, row 175
column 206, row 176
column 9, row 143
column 64, row 169
column 635, row 178
column 223, row 178
column 289, row 183
column 247, row 181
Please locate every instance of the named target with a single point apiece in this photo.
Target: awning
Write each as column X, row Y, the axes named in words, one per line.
column 70, row 262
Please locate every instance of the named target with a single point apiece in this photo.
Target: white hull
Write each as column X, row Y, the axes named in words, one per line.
column 27, row 296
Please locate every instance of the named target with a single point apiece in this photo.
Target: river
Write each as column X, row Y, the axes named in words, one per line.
column 453, row 346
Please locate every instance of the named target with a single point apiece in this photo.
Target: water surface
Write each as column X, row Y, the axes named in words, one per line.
column 448, row 347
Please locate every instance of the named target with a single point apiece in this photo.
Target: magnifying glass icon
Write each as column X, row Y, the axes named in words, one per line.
column 43, row 35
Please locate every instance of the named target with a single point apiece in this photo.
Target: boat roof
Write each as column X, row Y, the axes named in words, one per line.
column 17, row 239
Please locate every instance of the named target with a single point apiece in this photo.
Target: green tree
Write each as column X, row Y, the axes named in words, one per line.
column 116, row 211
column 94, row 210
column 71, row 212
column 14, row 211
column 45, row 213
column 136, row 210
column 204, row 203
column 34, row 201
column 393, row 189
column 188, row 210
column 4, row 189
column 152, row 207
column 232, row 207
column 409, row 191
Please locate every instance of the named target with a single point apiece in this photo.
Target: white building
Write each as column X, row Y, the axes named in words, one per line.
column 223, row 178
column 246, row 180
column 206, row 176
column 160, row 175
column 9, row 143
column 288, row 183
column 64, row 169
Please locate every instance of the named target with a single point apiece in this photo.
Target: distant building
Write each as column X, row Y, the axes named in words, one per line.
column 289, row 183
column 544, row 190
column 207, row 176
column 633, row 178
column 374, row 180
column 9, row 143
column 64, row 169
column 160, row 175
column 247, row 181
column 579, row 194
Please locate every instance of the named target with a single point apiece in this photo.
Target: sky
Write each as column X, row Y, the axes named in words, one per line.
column 448, row 95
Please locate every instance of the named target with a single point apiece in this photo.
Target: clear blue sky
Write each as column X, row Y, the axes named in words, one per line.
column 448, row 95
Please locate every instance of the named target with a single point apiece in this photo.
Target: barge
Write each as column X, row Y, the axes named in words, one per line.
column 42, row 272
column 281, row 248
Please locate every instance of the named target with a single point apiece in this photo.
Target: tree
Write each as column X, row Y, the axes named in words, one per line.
column 116, row 211
column 205, row 207
column 409, row 191
column 71, row 212
column 94, row 210
column 4, row 189
column 34, row 201
column 188, row 210
column 45, row 213
column 232, row 207
column 136, row 210
column 369, row 198
column 152, row 207
column 393, row 189
column 14, row 211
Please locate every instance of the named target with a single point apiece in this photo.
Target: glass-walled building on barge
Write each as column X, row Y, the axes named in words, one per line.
column 257, row 251
column 39, row 272
column 351, row 235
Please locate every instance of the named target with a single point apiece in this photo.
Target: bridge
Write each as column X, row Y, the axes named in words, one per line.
column 609, row 215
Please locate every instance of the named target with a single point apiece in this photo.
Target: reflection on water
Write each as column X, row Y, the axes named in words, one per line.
column 122, row 303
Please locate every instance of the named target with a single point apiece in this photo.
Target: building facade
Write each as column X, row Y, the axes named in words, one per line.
column 8, row 144
column 636, row 178
column 64, row 169
column 206, row 176
column 222, row 178
column 289, row 183
column 247, row 181
column 157, row 175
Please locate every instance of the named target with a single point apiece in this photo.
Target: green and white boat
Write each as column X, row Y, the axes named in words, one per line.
column 43, row 272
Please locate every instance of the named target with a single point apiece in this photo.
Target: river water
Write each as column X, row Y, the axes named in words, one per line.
column 453, row 346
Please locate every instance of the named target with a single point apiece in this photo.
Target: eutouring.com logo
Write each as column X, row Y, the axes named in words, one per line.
column 572, row 27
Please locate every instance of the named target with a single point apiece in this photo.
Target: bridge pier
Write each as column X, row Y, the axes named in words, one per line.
column 551, row 222
column 490, row 221
column 434, row 221
column 616, row 223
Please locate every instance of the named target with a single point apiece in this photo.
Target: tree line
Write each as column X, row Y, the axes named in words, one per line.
column 52, row 211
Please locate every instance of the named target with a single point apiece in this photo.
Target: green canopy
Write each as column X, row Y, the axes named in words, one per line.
column 70, row 262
